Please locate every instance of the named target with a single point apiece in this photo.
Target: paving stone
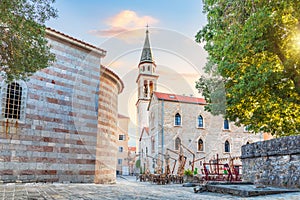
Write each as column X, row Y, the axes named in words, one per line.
column 124, row 189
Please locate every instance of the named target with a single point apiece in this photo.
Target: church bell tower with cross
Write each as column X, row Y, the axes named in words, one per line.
column 147, row 81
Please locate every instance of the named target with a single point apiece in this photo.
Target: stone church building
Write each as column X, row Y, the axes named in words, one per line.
column 169, row 124
column 61, row 124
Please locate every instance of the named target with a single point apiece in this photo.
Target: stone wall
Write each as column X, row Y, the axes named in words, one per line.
column 106, row 156
column 57, row 141
column 274, row 162
column 212, row 134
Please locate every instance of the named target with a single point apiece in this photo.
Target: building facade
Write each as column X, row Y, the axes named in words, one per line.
column 171, row 125
column 54, row 127
column 180, row 124
column 122, row 143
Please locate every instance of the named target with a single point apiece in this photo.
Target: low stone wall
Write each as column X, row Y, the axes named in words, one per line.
column 274, row 162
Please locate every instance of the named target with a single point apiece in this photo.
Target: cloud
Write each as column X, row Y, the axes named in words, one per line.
column 109, row 32
column 126, row 20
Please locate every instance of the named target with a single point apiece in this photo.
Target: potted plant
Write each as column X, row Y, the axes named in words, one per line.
column 188, row 176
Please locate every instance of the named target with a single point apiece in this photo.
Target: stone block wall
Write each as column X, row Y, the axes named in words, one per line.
column 106, row 156
column 57, row 142
column 212, row 134
column 274, row 162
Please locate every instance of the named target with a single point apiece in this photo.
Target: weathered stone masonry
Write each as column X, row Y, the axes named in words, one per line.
column 58, row 140
column 106, row 161
column 274, row 162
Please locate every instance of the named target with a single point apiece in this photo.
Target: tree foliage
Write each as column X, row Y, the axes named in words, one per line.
column 254, row 58
column 23, row 46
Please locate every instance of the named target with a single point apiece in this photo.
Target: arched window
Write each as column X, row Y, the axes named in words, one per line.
column 200, row 145
column 177, row 119
column 226, row 124
column 13, row 100
column 227, row 146
column 153, row 144
column 177, row 143
column 146, row 151
column 149, row 68
column 200, row 121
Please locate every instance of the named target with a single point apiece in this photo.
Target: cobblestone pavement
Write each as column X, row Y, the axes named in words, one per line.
column 126, row 188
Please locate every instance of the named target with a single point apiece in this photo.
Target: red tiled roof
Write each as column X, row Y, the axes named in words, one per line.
column 131, row 148
column 179, row 98
column 147, row 131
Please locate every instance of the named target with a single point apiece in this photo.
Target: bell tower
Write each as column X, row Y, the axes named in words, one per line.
column 147, row 84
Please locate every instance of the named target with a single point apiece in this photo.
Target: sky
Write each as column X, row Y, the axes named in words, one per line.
column 119, row 28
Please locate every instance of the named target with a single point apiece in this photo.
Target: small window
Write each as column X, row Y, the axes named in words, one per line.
column 200, row 145
column 146, row 150
column 200, row 122
column 13, row 100
column 149, row 68
column 177, row 119
column 120, row 149
column 226, row 124
column 177, row 143
column 143, row 68
column 121, row 137
column 227, row 146
column 119, row 161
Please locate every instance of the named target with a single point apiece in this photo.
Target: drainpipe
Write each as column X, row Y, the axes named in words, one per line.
column 162, row 135
column 140, row 158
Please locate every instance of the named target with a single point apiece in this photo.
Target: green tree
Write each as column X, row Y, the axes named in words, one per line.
column 23, row 46
column 253, row 63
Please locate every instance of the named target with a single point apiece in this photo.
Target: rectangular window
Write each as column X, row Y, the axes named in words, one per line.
column 226, row 124
column 122, row 137
column 13, row 101
column 119, row 161
column 120, row 149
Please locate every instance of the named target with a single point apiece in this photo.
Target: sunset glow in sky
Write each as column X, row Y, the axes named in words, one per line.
column 119, row 28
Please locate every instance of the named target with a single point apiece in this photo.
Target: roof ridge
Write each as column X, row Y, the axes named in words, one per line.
column 179, row 98
column 49, row 30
